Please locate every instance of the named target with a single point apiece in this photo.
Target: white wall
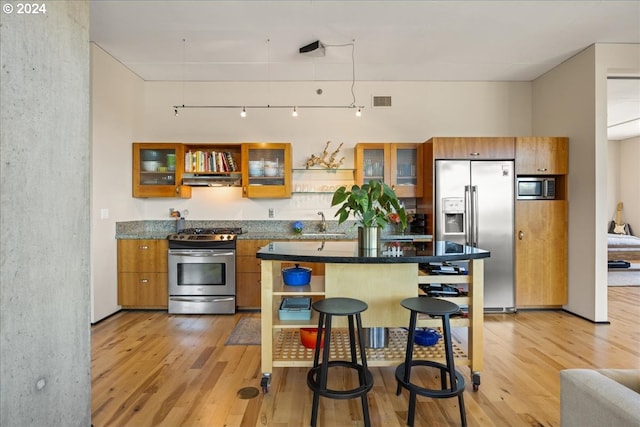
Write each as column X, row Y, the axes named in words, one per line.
column 571, row 100
column 613, row 177
column 116, row 109
column 628, row 181
column 420, row 110
column 127, row 110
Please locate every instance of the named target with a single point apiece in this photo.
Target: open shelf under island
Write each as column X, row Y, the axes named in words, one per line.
column 381, row 281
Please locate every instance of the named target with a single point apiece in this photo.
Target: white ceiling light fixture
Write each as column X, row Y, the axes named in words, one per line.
column 317, row 47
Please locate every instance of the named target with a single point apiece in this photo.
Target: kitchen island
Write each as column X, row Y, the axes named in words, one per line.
column 382, row 280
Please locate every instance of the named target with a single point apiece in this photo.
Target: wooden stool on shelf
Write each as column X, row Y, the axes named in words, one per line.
column 317, row 376
column 451, row 381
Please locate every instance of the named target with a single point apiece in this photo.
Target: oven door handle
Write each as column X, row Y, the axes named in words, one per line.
column 201, row 299
column 201, row 253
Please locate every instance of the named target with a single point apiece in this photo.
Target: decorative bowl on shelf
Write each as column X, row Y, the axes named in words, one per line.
column 426, row 337
column 149, row 155
column 308, row 337
column 150, row 165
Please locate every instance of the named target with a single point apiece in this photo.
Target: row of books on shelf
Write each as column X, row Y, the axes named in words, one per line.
column 210, row 161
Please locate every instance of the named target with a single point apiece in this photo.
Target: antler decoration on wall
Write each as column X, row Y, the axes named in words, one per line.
column 322, row 160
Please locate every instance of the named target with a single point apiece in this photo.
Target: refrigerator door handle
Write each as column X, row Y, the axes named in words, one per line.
column 474, row 195
column 468, row 223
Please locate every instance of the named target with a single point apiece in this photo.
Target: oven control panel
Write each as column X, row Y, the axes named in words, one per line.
column 201, row 237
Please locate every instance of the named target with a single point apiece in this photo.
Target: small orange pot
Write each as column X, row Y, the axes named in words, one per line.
column 308, row 337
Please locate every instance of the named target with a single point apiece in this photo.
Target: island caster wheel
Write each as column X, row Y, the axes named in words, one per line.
column 475, row 377
column 265, row 382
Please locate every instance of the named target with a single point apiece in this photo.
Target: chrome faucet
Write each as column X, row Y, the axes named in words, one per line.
column 323, row 223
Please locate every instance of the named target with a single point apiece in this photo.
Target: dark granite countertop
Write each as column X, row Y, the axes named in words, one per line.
column 348, row 253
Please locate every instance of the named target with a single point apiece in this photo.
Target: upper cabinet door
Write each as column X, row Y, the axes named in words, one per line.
column 372, row 162
column 472, row 148
column 399, row 165
column 266, row 170
column 542, row 155
column 157, row 170
column 406, row 169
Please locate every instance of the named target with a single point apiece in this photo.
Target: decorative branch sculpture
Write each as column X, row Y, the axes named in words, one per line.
column 322, row 159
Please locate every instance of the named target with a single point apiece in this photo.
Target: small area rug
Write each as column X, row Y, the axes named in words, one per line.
column 624, row 276
column 246, row 332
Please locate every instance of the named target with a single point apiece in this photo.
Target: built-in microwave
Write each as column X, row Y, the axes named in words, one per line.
column 535, row 187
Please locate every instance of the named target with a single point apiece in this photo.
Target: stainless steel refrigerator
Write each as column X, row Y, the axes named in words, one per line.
column 474, row 205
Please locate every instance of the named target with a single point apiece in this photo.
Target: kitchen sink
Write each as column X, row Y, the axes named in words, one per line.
column 324, row 234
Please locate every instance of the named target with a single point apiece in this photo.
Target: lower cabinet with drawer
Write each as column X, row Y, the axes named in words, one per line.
column 248, row 288
column 142, row 274
column 248, row 284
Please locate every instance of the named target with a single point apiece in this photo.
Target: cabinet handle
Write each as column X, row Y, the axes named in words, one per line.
column 474, row 154
column 542, row 169
column 520, row 235
column 143, row 248
column 143, row 281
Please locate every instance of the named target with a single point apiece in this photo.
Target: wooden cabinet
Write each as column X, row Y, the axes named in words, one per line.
column 171, row 169
column 248, row 286
column 212, row 165
column 541, row 239
column 399, row 165
column 540, row 225
column 542, row 156
column 142, row 273
column 473, row 148
column 157, row 170
column 541, row 253
column 248, row 282
column 266, row 170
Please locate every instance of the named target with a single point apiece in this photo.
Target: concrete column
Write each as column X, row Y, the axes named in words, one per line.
column 44, row 215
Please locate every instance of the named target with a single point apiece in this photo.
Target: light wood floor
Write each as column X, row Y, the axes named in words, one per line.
column 155, row 369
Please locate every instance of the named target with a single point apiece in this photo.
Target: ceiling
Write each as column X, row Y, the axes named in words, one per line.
column 375, row 40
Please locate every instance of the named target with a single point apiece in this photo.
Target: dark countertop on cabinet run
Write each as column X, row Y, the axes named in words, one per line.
column 348, row 253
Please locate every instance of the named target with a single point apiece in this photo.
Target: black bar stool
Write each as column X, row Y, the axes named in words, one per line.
column 317, row 376
column 451, row 381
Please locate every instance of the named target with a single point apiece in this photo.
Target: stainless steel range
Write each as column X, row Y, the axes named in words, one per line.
column 202, row 271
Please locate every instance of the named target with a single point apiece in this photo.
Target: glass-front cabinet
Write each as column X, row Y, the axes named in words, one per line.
column 372, row 163
column 157, row 170
column 266, row 170
column 397, row 164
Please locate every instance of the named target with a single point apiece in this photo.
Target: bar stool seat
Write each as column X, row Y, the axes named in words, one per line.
column 318, row 375
column 451, row 381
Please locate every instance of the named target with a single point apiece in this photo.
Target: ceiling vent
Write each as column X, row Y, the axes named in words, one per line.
column 381, row 101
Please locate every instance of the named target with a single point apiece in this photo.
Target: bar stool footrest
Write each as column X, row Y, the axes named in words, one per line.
column 314, row 374
column 434, row 393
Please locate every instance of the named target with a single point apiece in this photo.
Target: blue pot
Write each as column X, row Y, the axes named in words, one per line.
column 296, row 276
column 426, row 337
